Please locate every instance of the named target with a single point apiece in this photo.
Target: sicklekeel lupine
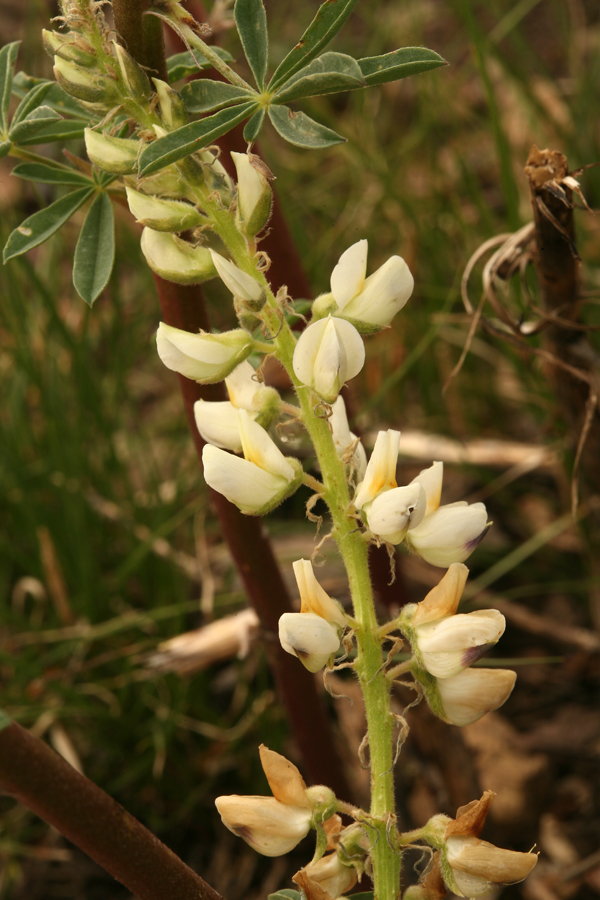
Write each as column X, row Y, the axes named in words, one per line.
column 188, row 207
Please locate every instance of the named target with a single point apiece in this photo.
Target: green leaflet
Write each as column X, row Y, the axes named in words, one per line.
column 325, row 25
column 399, row 64
column 205, row 95
column 180, row 65
column 328, row 74
column 50, row 175
column 8, row 57
column 30, row 102
column 299, row 129
column 95, row 251
column 251, row 22
column 42, row 225
column 254, row 125
column 63, row 130
column 56, row 97
column 192, row 137
column 285, row 894
column 35, row 122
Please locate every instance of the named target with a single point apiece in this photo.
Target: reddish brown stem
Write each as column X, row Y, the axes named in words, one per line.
column 41, row 779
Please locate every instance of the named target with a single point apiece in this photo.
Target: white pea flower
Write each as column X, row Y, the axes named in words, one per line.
column 447, row 534
column 254, row 194
column 447, row 646
column 380, row 474
column 473, row 868
column 328, row 354
column 369, row 303
column 392, row 513
column 309, row 637
column 313, row 597
column 206, row 358
column 344, row 439
column 111, row 154
column 260, row 481
column 217, row 421
column 270, row 827
column 242, row 285
column 464, row 698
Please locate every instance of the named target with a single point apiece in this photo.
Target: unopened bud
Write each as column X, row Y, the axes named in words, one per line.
column 243, row 286
column 172, row 108
column 329, row 873
column 254, row 197
column 71, row 46
column 111, row 154
column 176, row 260
column 163, row 215
column 84, row 84
column 206, row 358
column 136, row 81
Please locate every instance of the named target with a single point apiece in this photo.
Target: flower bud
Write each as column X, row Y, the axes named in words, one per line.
column 163, row 215
column 330, row 874
column 72, row 47
column 450, row 533
column 136, row 81
column 243, row 286
column 166, row 183
column 172, row 108
column 176, row 260
column 344, row 440
column 111, row 154
column 309, row 637
column 381, row 469
column 369, row 303
column 328, row 354
column 85, row 84
column 466, row 697
column 312, row 596
column 472, row 867
column 393, row 512
column 259, row 482
column 442, row 600
column 254, row 194
column 448, row 646
column 270, row 827
column 206, row 358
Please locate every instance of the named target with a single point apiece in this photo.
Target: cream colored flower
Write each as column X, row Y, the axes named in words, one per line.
column 309, row 637
column 477, row 867
column 466, row 697
column 206, row 358
column 380, row 474
column 270, row 827
column 328, row 354
column 447, row 646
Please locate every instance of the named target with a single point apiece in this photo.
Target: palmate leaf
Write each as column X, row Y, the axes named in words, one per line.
column 299, row 129
column 399, row 64
column 44, row 223
column 329, row 19
column 95, row 250
column 8, row 57
column 180, row 65
column 251, row 22
column 327, row 74
column 204, row 95
column 192, row 137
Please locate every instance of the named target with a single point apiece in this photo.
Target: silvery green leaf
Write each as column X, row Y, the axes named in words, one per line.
column 192, row 137
column 35, row 122
column 180, row 65
column 204, row 95
column 251, row 22
column 299, row 129
column 8, row 57
column 399, row 64
column 42, row 224
column 4, row 148
column 63, row 130
column 30, row 102
column 49, row 175
column 329, row 19
column 95, row 251
column 327, row 74
column 254, row 125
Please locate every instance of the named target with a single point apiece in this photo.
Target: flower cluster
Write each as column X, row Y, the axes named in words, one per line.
column 445, row 644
